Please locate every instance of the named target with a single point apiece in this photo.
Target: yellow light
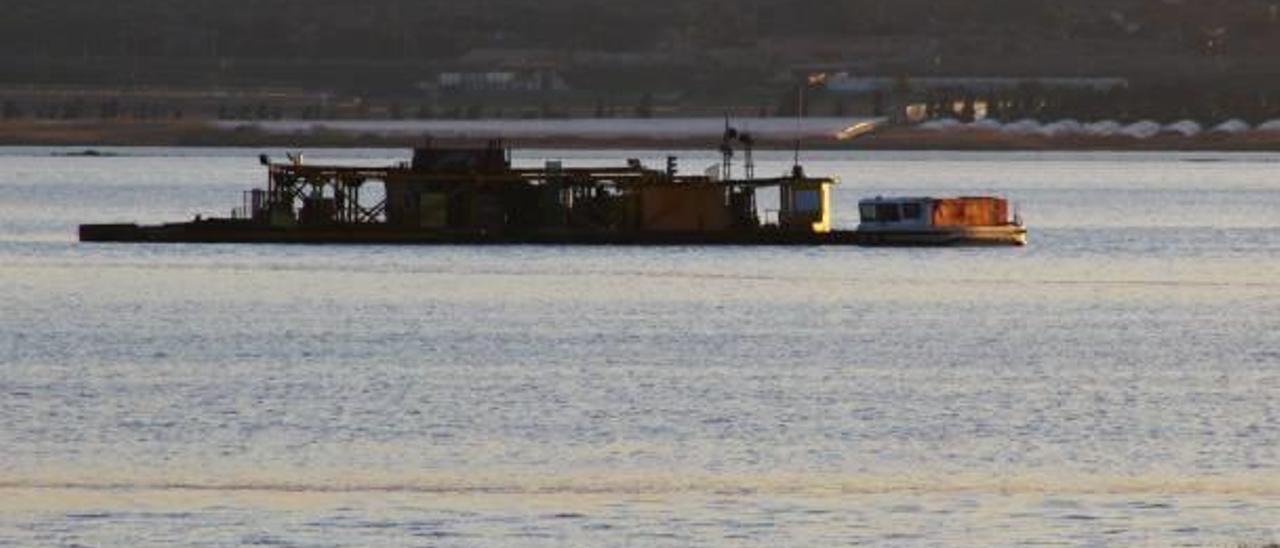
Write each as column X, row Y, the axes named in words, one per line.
column 855, row 130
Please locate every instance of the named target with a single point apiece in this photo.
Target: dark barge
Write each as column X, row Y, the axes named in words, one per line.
column 475, row 196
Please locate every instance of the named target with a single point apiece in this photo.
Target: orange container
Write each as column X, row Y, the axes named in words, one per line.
column 970, row 211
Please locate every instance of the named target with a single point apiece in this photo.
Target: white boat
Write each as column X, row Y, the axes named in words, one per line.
column 929, row 221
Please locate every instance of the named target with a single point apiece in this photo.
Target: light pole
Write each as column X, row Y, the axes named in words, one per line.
column 812, row 80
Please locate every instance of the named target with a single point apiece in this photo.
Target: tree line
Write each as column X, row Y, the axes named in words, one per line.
column 443, row 29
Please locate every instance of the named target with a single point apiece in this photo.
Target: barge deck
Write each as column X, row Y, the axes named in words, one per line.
column 214, row 232
column 473, row 196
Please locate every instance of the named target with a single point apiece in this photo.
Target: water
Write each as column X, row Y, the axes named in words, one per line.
column 1115, row 382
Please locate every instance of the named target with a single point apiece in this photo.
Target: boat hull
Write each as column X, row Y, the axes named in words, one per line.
column 229, row 231
column 207, row 232
column 1003, row 235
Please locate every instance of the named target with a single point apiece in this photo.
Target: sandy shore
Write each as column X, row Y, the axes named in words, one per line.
column 817, row 136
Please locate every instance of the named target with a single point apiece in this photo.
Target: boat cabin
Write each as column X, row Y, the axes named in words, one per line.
column 926, row 212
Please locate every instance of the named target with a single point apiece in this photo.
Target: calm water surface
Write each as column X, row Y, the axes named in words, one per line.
column 1114, row 383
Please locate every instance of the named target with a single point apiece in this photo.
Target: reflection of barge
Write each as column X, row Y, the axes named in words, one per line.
column 970, row 220
column 475, row 196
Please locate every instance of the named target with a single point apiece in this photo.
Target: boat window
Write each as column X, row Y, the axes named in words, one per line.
column 868, row 212
column 887, row 213
column 910, row 211
column 808, row 200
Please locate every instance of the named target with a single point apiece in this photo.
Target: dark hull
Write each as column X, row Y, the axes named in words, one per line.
column 244, row 232
column 1002, row 235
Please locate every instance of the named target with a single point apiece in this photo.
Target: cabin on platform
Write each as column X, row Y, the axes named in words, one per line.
column 933, row 212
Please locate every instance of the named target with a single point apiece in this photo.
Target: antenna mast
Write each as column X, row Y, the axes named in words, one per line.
column 726, row 149
column 795, row 166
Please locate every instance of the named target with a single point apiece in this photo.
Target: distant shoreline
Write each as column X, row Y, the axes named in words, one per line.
column 247, row 134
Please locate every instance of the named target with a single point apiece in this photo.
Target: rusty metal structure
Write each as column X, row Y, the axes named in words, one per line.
column 474, row 195
column 453, row 190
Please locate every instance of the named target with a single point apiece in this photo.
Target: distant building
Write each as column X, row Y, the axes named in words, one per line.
column 846, row 83
column 966, row 98
column 502, row 70
column 522, row 80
